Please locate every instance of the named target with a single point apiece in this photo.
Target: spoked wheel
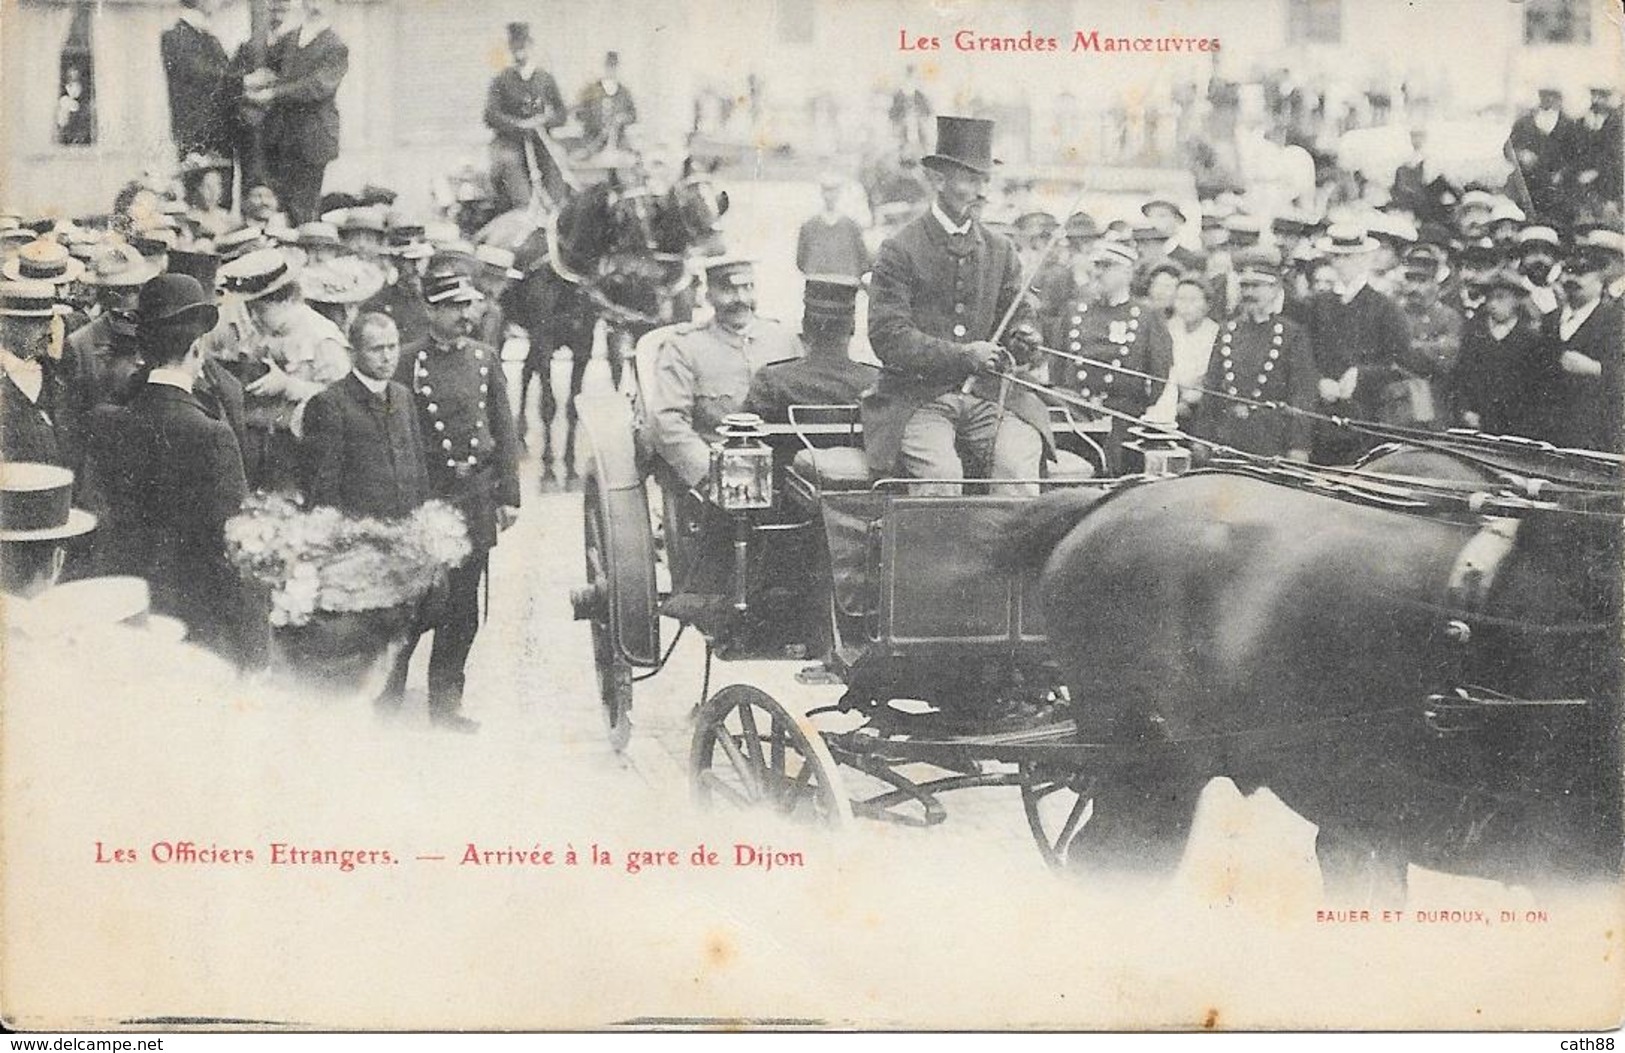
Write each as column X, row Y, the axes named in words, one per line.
column 1057, row 804
column 614, row 671
column 750, row 752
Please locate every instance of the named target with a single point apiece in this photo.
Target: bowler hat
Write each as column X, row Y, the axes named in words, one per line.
column 963, row 142
column 169, row 298
column 1081, row 226
column 36, row 504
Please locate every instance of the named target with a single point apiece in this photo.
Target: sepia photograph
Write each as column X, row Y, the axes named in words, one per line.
column 812, row 515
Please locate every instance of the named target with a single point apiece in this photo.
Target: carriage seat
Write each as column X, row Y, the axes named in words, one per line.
column 833, row 468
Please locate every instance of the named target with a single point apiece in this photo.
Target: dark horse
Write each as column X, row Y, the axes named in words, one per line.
column 1283, row 634
column 614, row 253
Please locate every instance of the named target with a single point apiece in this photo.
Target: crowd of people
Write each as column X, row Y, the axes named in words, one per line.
column 186, row 349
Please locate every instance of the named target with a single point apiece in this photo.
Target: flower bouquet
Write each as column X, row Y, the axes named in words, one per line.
column 345, row 592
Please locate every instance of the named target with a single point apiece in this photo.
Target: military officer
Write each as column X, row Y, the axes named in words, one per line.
column 467, row 429
column 825, row 375
column 1426, row 373
column 1118, row 330
column 1262, row 356
column 703, row 372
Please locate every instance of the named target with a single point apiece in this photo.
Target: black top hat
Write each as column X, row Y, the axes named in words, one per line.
column 169, row 298
column 965, row 142
column 518, row 34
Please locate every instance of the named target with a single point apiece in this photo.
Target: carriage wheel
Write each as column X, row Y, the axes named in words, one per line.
column 750, row 752
column 614, row 672
column 1058, row 804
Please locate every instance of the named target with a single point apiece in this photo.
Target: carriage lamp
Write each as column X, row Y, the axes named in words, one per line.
column 1159, row 452
column 741, row 465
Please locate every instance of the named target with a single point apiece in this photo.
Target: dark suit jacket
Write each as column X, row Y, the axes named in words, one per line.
column 175, row 477
column 51, row 430
column 363, row 457
column 512, row 99
column 303, row 122
column 200, row 113
column 221, row 396
column 924, row 285
column 1590, row 405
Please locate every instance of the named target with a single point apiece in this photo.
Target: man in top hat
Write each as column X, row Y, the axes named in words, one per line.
column 201, row 97
column 1586, row 337
column 363, row 451
column 825, row 375
column 1505, row 380
column 295, row 353
column 606, row 108
column 175, row 475
column 1115, row 331
column 522, row 101
column 467, row 430
column 1359, row 338
column 831, row 242
column 41, row 404
column 939, row 292
column 1541, row 142
column 307, row 62
column 702, row 373
column 1261, row 356
column 1421, row 395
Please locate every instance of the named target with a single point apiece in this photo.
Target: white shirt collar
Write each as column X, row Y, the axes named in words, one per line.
column 611, row 87
column 1353, row 290
column 196, row 19
column 175, row 378
column 1500, row 330
column 527, row 71
column 1572, row 320
column 377, row 387
column 948, row 224
column 310, row 29
column 27, row 373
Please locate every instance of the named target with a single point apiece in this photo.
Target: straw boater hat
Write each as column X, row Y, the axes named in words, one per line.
column 1346, row 239
column 498, row 259
column 317, row 234
column 36, row 504
column 29, row 299
column 44, row 260
column 258, row 274
column 118, row 266
column 1112, row 251
column 1539, row 236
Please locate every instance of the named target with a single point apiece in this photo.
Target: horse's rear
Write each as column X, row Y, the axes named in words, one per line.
column 1289, row 639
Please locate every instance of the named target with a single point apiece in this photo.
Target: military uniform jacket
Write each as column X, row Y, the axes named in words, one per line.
column 1127, row 335
column 816, row 380
column 467, row 429
column 1435, row 346
column 930, row 294
column 1266, row 361
column 363, row 453
column 702, row 374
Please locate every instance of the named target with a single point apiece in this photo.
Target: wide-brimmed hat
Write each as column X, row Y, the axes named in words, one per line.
column 36, row 503
column 317, row 234
column 44, row 260
column 259, row 273
column 1162, row 202
column 963, row 142
column 341, row 281
column 170, row 298
column 29, row 299
column 498, row 259
column 1478, row 199
column 363, row 218
column 118, row 265
column 1346, row 239
column 1539, row 236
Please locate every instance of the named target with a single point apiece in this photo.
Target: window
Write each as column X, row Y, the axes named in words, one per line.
column 1314, row 21
column 1557, row 21
column 75, row 118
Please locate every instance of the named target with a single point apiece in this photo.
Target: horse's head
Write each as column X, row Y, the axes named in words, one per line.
column 698, row 207
column 634, row 212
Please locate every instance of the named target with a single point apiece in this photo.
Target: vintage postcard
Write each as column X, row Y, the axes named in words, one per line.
column 811, row 514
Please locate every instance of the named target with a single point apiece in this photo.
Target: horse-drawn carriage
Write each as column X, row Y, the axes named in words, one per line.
column 1420, row 654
